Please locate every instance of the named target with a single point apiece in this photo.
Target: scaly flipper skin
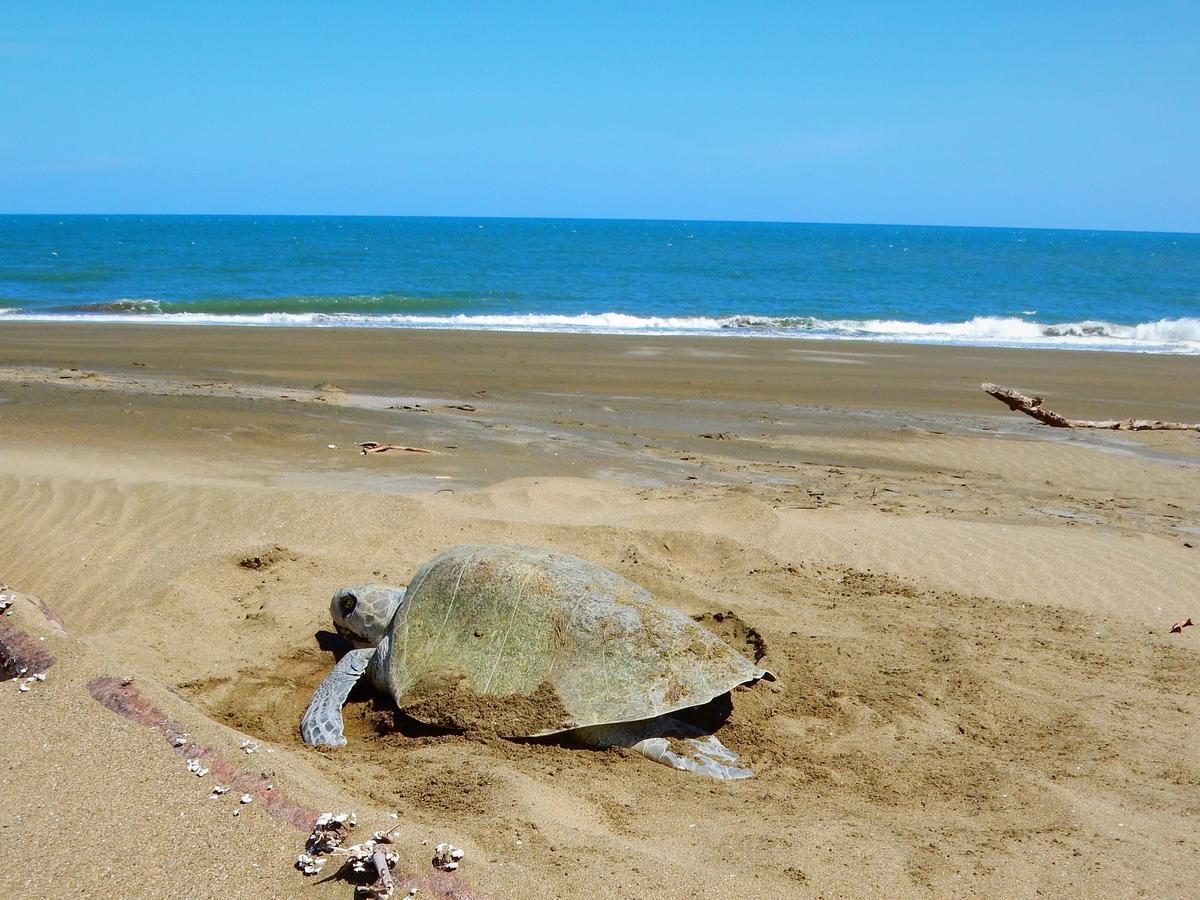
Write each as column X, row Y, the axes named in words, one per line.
column 704, row 754
column 321, row 725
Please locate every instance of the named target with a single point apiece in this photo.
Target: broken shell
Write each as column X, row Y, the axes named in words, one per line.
column 310, row 865
column 40, row 676
column 23, row 688
column 220, row 790
column 446, row 856
column 245, row 798
column 237, row 812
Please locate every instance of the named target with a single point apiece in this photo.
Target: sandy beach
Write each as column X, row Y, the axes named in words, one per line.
column 968, row 611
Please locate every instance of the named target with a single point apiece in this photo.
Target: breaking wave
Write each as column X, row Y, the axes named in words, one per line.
column 1163, row 336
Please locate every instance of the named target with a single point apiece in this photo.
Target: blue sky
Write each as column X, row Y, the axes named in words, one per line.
column 1041, row 114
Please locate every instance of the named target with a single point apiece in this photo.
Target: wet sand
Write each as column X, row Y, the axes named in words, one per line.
column 968, row 611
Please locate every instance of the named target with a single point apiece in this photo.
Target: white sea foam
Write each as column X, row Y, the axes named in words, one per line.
column 1164, row 336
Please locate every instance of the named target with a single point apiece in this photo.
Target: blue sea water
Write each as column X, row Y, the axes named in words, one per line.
column 1004, row 287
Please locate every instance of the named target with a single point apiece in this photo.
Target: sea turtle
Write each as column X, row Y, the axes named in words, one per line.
column 533, row 642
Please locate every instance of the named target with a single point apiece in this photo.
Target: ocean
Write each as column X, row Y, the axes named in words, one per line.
column 984, row 286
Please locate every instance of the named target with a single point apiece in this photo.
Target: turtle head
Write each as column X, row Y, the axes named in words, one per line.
column 362, row 614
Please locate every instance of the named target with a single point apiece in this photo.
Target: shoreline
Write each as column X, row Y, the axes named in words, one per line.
column 1094, row 337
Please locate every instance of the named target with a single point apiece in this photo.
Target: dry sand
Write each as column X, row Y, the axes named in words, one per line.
column 968, row 611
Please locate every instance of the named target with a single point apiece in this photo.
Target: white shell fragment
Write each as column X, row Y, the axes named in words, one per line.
column 182, row 739
column 28, row 680
column 309, row 864
column 447, row 856
column 218, row 790
column 245, row 798
column 250, row 747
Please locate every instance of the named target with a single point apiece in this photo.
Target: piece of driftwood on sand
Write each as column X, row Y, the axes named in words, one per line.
column 376, row 447
column 1032, row 406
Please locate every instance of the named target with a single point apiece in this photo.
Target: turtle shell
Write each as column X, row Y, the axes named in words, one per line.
column 541, row 642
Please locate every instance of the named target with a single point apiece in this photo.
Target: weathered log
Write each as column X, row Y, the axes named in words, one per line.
column 1033, row 406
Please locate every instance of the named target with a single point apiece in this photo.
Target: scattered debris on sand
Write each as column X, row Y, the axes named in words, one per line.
column 26, row 683
column 265, row 559
column 368, row 865
column 23, row 654
column 1178, row 627
column 719, row 436
column 447, row 857
column 125, row 700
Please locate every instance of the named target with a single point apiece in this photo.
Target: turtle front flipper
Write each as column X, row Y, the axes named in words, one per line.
column 321, row 725
column 691, row 750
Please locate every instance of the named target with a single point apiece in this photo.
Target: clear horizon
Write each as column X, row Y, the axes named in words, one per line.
column 1041, row 118
column 697, row 219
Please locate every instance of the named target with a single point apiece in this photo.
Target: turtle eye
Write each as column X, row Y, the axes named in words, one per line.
column 347, row 603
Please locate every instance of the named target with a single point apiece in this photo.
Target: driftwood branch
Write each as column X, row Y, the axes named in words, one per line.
column 1032, row 406
column 376, row 447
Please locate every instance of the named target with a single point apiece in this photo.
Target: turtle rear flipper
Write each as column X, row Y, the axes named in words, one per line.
column 691, row 750
column 703, row 756
column 322, row 725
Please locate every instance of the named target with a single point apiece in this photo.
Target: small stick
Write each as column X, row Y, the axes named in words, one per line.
column 376, row 447
column 1032, row 406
